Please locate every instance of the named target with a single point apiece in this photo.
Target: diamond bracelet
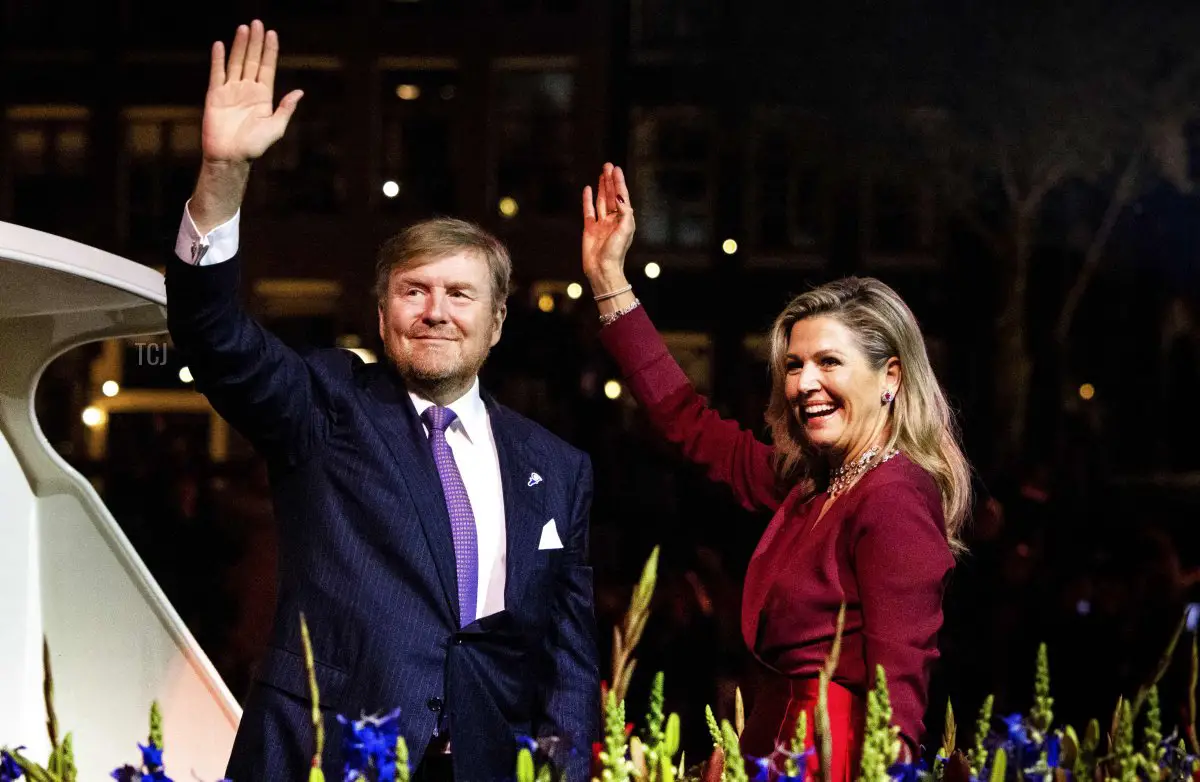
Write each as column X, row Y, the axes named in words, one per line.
column 608, row 318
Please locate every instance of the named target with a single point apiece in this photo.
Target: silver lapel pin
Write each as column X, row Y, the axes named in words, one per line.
column 534, row 479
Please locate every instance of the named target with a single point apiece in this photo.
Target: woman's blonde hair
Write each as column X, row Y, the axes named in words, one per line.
column 923, row 425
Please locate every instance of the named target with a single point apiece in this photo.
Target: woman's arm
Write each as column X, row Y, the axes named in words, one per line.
column 901, row 559
column 732, row 455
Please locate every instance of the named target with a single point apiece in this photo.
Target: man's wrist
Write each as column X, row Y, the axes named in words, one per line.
column 219, row 192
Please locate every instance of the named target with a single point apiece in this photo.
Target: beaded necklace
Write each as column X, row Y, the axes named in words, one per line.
column 845, row 476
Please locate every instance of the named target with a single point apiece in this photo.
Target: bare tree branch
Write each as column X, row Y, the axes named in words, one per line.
column 1052, row 179
column 1007, row 175
column 988, row 235
column 1121, row 196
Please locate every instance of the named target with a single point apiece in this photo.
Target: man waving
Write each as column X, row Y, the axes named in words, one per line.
column 435, row 540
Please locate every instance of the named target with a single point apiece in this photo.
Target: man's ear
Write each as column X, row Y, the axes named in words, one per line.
column 498, row 323
column 382, row 323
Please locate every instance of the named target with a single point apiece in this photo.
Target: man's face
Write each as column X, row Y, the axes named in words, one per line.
column 439, row 320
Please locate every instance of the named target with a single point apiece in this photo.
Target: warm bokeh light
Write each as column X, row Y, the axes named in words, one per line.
column 729, row 246
column 546, row 302
column 93, row 417
column 110, row 388
column 508, row 206
column 574, row 290
column 1087, row 391
column 653, row 270
column 185, row 375
column 391, row 189
column 612, row 389
column 368, row 356
column 408, row 92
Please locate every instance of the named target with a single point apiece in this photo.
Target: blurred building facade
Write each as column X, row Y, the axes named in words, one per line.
column 755, row 171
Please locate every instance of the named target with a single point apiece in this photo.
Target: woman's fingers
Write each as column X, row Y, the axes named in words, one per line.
column 622, row 190
column 589, row 208
column 601, row 200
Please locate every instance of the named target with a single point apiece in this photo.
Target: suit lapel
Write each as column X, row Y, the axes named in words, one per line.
column 523, row 504
column 391, row 412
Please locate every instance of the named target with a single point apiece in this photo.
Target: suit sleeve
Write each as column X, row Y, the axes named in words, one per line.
column 731, row 454
column 264, row 389
column 573, row 697
column 901, row 560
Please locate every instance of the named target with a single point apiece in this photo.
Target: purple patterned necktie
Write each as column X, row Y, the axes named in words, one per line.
column 462, row 518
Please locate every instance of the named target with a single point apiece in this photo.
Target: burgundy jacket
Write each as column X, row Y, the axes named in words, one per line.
column 881, row 548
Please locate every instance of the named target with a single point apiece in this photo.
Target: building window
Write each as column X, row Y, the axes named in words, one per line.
column 161, row 148
column 417, row 109
column 672, row 169
column 667, row 24
column 788, row 214
column 302, row 8
column 48, row 154
column 27, row 23
column 900, row 218
column 303, row 172
column 153, row 24
column 416, row 9
column 535, row 118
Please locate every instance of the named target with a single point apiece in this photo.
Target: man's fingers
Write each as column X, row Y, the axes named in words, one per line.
column 266, row 71
column 216, row 69
column 289, row 103
column 237, row 53
column 283, row 114
column 589, row 208
column 254, row 51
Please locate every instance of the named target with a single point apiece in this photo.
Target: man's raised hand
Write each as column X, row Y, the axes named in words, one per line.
column 240, row 119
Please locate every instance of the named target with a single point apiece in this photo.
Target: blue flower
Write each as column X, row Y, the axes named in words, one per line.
column 764, row 769
column 801, row 765
column 1023, row 749
column 151, row 756
column 9, row 770
column 1016, row 729
column 770, row 768
column 371, row 743
column 527, row 742
column 909, row 772
column 127, row 774
column 1053, row 749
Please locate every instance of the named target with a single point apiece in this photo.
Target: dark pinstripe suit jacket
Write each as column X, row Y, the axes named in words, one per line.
column 366, row 553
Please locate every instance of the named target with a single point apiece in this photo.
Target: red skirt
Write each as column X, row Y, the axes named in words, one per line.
column 772, row 724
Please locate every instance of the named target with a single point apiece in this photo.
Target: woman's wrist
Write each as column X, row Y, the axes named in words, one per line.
column 613, row 291
column 616, row 307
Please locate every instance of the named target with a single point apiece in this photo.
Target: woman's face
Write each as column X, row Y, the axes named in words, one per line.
column 834, row 392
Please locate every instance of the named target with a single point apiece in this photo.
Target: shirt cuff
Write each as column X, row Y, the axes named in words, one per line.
column 218, row 245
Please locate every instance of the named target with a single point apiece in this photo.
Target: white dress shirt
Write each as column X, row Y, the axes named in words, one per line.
column 470, row 436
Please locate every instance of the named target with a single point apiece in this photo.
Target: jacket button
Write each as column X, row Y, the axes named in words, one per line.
column 434, row 704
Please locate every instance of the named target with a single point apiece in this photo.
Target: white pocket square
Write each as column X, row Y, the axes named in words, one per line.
column 550, row 539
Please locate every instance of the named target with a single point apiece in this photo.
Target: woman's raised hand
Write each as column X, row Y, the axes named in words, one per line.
column 608, row 228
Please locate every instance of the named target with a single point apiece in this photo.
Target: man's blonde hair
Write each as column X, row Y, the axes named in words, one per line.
column 430, row 240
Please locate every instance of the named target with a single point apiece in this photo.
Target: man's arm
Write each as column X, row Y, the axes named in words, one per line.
column 573, row 696
column 260, row 386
